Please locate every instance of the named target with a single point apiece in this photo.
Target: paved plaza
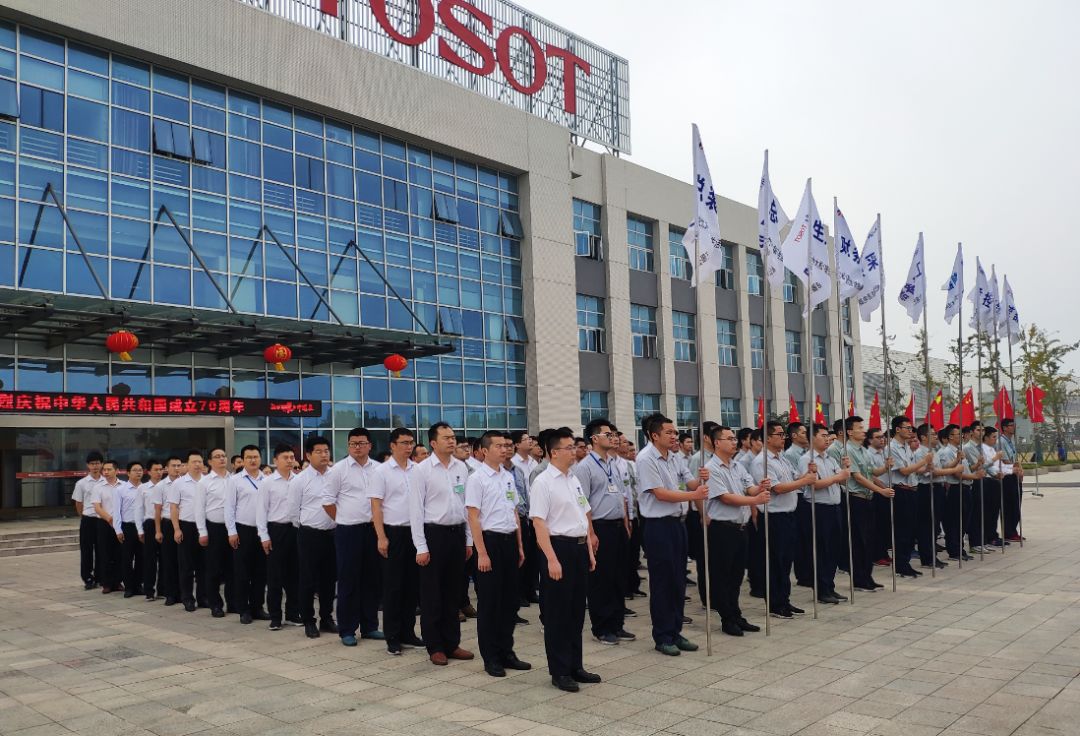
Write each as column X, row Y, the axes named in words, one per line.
column 993, row 650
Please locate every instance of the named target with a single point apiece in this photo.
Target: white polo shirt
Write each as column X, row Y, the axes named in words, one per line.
column 494, row 494
column 558, row 499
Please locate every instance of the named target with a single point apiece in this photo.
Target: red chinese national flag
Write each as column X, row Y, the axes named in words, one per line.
column 1034, row 397
column 875, row 413
column 1003, row 407
column 964, row 414
column 330, row 7
column 909, row 412
column 851, row 406
column 793, row 409
column 819, row 411
column 935, row 417
column 761, row 412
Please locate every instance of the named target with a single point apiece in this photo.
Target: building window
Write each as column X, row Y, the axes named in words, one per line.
column 644, row 405
column 821, row 351
column 849, row 368
column 679, row 260
column 593, row 406
column 757, row 347
column 725, row 276
column 643, row 330
column 639, row 236
column 791, row 288
column 726, row 342
column 845, row 316
column 755, row 274
column 587, row 241
column 730, row 412
column 685, row 334
column 793, row 345
column 590, row 321
column 687, row 415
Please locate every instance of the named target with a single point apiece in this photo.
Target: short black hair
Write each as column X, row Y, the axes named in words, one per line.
column 189, row 453
column 990, row 431
column 707, row 428
column 715, row 430
column 923, row 431
column 773, row 424
column 541, row 439
column 313, row 441
column 794, row 427
column 756, row 435
column 234, row 458
column 433, row 430
column 1007, row 423
column 818, row 428
column 151, row 463
column 250, row 448
column 684, row 435
column 397, row 433
column 838, row 426
column 650, row 422
column 170, row 458
column 851, row 422
column 516, row 436
column 359, row 432
column 898, row 422
column 279, row 449
column 109, row 461
column 492, row 434
column 944, row 432
column 594, row 426
column 133, row 463
column 94, row 457
column 743, row 434
column 554, row 436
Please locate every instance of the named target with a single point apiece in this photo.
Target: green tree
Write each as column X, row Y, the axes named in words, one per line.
column 1042, row 358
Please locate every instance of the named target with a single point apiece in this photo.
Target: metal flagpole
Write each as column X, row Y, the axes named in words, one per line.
column 926, row 367
column 1035, row 459
column 701, row 439
column 765, row 459
column 843, row 403
column 1016, row 458
column 997, row 435
column 978, row 415
column 960, row 388
column 808, row 387
column 885, row 372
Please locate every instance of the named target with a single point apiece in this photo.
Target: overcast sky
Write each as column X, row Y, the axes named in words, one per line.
column 959, row 118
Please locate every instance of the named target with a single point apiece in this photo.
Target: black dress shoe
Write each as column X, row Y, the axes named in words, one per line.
column 260, row 615
column 583, row 676
column 217, row 613
column 828, row 599
column 513, row 663
column 878, row 585
column 327, row 625
column 839, row 597
column 311, row 630
column 795, row 611
column 189, row 606
column 89, row 585
column 757, row 594
column 495, row 670
column 129, row 593
column 566, row 683
column 151, row 598
column 170, row 601
column 519, row 621
column 245, row 618
column 748, row 627
column 731, row 628
column 412, row 641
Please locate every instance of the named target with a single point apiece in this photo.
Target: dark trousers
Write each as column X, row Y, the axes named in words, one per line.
column 1011, row 486
column 249, row 571
column 881, row 539
column 926, row 524
column 727, row 559
column 218, row 556
column 954, row 541
column 695, row 547
column 440, row 587
column 606, row 593
column 152, row 569
column 633, row 558
column 804, row 557
column 992, row 499
column 783, row 541
column 317, row 560
column 131, row 556
column 87, row 544
column 976, row 512
column 467, row 577
column 906, row 510
column 939, row 503
column 755, row 560
column 843, row 556
column 828, row 545
column 562, row 605
column 359, row 579
column 400, row 585
column 862, row 541
column 192, row 565
column 282, row 571
column 665, row 548
column 497, row 599
column 107, row 556
column 529, row 573
column 170, row 570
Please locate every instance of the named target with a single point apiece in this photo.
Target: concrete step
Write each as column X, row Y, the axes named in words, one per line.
column 42, row 550
column 73, row 528
column 39, row 541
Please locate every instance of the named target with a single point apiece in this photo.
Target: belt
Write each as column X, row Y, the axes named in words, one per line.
column 570, row 540
column 736, row 524
column 607, row 522
column 903, row 487
column 499, row 534
column 278, row 523
column 444, row 527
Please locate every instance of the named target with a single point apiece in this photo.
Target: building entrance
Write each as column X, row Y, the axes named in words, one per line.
column 41, row 458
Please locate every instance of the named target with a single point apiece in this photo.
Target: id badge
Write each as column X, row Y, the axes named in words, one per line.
column 682, row 486
column 509, row 492
column 459, row 488
column 581, row 501
column 611, row 488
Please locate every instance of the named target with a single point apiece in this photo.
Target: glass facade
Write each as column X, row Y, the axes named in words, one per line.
column 594, row 405
column 757, row 346
column 727, row 342
column 644, row 405
column 755, row 274
column 587, row 241
column 821, row 353
column 685, row 333
column 731, row 412
column 120, row 142
column 725, row 276
column 791, row 288
column 639, row 237
column 643, row 331
column 590, row 321
column 678, row 260
column 687, row 415
column 793, row 347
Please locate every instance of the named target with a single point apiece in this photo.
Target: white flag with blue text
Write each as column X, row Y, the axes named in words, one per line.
column 1012, row 317
column 955, row 286
column 849, row 270
column 981, row 301
column 806, row 252
column 873, row 279
column 702, row 240
column 771, row 219
column 997, row 314
column 913, row 294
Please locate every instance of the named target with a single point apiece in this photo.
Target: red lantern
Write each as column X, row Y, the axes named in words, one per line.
column 395, row 364
column 122, row 342
column 277, row 354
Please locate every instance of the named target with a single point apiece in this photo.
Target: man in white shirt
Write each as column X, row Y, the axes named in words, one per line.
column 560, row 510
column 359, row 581
column 491, row 500
column 151, row 530
column 128, row 524
column 442, row 540
column 87, row 518
column 316, row 554
column 102, row 497
column 249, row 560
column 390, row 491
column 213, row 536
column 276, row 519
column 522, row 458
column 170, row 566
column 992, row 491
column 182, row 494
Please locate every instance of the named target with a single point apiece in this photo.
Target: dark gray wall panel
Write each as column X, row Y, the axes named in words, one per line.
column 594, row 371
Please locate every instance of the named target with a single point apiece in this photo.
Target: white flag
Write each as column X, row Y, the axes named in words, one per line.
column 997, row 314
column 873, row 278
column 771, row 218
column 806, row 252
column 702, row 240
column 849, row 270
column 1012, row 317
column 913, row 295
column 981, row 301
column 955, row 286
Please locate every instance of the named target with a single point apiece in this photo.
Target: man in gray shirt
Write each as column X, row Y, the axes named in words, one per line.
column 826, row 498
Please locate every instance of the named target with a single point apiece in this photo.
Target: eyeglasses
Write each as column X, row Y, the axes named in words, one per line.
column 608, row 435
column 781, row 433
column 361, row 443
column 564, row 447
column 404, row 442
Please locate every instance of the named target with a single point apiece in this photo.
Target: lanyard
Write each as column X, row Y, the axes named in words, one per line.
column 249, row 480
column 607, row 470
